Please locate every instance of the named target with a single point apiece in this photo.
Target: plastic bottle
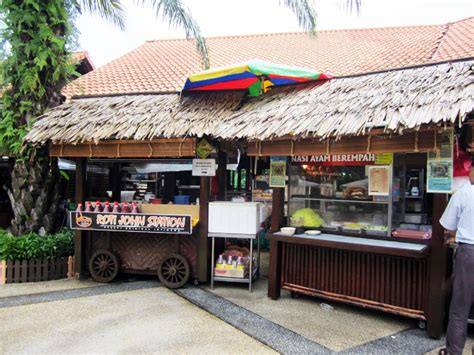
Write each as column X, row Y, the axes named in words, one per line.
column 240, row 263
column 79, row 207
column 125, row 207
column 134, row 208
column 116, row 208
column 107, row 208
column 88, row 207
column 220, row 262
column 98, row 207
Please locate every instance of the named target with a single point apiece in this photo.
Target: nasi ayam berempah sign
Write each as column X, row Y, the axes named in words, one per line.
column 131, row 222
column 344, row 159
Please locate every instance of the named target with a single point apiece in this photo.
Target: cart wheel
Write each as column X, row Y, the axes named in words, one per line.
column 173, row 271
column 422, row 324
column 103, row 266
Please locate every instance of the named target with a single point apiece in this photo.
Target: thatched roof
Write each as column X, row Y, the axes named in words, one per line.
column 394, row 101
column 135, row 117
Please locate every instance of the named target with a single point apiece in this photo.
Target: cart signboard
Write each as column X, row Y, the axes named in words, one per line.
column 131, row 222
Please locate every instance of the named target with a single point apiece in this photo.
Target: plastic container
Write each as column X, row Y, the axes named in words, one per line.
column 181, row 199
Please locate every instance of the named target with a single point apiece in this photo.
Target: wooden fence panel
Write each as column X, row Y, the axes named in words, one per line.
column 36, row 270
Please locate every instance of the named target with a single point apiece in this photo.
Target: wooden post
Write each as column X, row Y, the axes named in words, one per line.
column 278, row 204
column 203, row 249
column 221, row 175
column 437, row 276
column 274, row 270
column 79, row 236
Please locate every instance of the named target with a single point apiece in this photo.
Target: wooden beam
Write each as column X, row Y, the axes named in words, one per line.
column 157, row 148
column 203, row 245
column 437, row 275
column 407, row 143
column 79, row 236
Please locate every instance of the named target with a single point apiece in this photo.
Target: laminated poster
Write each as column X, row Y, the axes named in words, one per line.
column 440, row 176
column 379, row 180
column 277, row 171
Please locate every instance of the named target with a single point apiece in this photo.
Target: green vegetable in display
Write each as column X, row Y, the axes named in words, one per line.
column 309, row 217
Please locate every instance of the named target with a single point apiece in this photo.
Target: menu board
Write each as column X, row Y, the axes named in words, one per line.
column 379, row 180
column 277, row 172
column 131, row 222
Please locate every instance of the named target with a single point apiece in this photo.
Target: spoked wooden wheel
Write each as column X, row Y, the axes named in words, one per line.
column 173, row 271
column 103, row 266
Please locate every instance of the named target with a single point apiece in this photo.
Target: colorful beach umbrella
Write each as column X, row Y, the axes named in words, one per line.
column 255, row 75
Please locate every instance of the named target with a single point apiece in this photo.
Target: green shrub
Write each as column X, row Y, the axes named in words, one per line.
column 35, row 246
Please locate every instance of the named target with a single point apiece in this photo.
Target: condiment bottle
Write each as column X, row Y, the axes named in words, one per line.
column 240, row 263
column 125, row 208
column 79, row 207
column 116, row 208
column 98, row 207
column 88, row 207
column 134, row 207
column 107, row 208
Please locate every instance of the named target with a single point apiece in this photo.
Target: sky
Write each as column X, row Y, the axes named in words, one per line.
column 105, row 42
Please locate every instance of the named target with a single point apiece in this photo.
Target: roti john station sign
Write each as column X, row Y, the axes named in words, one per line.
column 131, row 222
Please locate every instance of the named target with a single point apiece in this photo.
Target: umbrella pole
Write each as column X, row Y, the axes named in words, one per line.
column 262, row 87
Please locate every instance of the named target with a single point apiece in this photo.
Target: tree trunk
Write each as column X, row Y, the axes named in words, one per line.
column 34, row 193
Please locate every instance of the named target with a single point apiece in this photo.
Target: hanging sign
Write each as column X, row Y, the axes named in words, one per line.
column 440, row 176
column 379, row 180
column 131, row 222
column 204, row 167
column 343, row 159
column 440, row 165
column 277, row 172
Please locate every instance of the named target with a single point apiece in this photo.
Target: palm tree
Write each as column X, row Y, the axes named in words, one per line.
column 37, row 66
column 177, row 14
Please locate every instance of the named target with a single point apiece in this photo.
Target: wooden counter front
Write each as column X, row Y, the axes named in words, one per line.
column 390, row 276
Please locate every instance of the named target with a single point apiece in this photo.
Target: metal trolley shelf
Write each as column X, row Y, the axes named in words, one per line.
column 254, row 270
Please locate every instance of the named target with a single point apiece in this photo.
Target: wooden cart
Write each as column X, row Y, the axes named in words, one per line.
column 159, row 241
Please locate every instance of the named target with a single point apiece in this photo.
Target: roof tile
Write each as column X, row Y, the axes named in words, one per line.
column 163, row 65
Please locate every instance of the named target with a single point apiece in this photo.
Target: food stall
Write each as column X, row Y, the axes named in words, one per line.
column 353, row 233
column 146, row 220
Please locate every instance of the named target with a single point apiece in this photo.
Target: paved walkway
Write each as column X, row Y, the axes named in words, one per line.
column 117, row 318
column 141, row 316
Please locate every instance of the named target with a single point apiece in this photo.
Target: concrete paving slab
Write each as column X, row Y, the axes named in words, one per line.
column 147, row 320
column 9, row 290
column 342, row 328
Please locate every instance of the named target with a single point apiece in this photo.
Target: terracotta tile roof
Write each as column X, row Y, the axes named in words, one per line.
column 163, row 65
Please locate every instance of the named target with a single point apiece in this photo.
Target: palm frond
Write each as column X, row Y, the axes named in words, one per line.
column 177, row 14
column 110, row 10
column 305, row 12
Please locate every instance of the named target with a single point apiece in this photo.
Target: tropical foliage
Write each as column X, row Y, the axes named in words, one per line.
column 35, row 246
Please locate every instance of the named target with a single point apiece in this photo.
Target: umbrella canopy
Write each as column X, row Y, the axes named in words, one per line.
column 255, row 75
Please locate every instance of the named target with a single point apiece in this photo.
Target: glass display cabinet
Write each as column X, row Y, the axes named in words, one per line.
column 336, row 199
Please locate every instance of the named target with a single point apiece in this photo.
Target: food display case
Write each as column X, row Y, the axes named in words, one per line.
column 338, row 199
